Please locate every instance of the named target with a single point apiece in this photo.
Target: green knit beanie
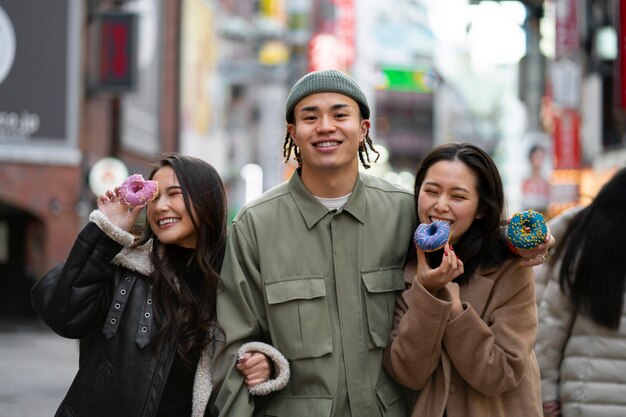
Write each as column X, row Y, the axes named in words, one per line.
column 325, row 81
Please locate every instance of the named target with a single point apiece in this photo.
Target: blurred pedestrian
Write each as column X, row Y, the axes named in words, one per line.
column 144, row 309
column 535, row 187
column 464, row 329
column 557, row 226
column 581, row 345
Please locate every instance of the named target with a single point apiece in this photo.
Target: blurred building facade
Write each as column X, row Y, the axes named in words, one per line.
column 581, row 105
column 102, row 87
column 72, row 92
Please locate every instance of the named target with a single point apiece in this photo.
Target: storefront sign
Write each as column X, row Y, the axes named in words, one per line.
column 408, row 80
column 39, row 65
column 345, row 28
column 327, row 52
column 333, row 47
column 117, row 51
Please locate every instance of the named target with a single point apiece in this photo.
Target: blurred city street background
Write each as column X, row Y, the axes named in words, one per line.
column 94, row 90
column 36, row 368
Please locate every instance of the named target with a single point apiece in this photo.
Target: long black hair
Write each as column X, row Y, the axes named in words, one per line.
column 179, row 313
column 483, row 243
column 593, row 250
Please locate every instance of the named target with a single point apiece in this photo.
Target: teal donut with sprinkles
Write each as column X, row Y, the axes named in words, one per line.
column 527, row 229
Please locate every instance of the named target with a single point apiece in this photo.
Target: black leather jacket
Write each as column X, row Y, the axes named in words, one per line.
column 109, row 308
column 102, row 295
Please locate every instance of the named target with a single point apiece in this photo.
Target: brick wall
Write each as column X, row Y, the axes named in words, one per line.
column 49, row 193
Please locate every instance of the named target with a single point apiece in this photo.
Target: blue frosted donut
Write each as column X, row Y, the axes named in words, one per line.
column 522, row 239
column 433, row 236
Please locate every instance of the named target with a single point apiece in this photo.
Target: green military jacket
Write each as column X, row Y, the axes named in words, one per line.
column 319, row 286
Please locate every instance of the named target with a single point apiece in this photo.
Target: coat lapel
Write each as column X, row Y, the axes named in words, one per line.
column 479, row 293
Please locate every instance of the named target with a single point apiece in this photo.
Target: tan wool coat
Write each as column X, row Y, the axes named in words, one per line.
column 482, row 362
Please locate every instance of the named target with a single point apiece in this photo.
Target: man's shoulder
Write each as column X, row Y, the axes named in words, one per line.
column 266, row 200
column 373, row 182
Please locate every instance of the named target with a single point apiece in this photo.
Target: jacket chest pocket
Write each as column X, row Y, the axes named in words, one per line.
column 298, row 317
column 381, row 288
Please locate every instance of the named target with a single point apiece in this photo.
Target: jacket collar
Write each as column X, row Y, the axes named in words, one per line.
column 136, row 259
column 483, row 281
column 477, row 294
column 313, row 211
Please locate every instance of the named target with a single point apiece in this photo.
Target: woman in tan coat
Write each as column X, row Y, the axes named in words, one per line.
column 465, row 327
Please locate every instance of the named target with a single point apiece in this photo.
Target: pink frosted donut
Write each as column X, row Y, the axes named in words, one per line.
column 135, row 191
column 431, row 237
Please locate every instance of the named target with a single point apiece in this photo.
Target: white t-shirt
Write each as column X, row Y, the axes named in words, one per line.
column 334, row 203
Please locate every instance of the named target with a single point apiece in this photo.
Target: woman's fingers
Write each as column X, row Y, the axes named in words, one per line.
column 452, row 256
column 455, row 265
column 255, row 367
column 435, row 278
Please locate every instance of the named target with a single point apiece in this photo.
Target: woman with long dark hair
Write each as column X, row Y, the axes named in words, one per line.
column 465, row 327
column 581, row 344
column 144, row 308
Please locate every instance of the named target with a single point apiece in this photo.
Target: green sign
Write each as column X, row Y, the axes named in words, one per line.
column 415, row 81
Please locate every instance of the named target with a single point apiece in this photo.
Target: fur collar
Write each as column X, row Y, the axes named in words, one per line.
column 136, row 259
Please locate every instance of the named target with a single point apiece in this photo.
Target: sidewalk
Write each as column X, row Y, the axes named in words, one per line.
column 36, row 369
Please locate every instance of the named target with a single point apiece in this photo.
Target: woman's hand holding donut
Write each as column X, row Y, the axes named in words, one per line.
column 117, row 212
column 524, row 232
column 537, row 256
column 433, row 279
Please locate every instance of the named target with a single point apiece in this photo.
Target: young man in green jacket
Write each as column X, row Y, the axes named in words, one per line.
column 313, row 266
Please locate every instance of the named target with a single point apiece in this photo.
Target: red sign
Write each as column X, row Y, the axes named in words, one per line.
column 327, row 52
column 117, row 52
column 566, row 139
column 334, row 46
column 345, row 28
